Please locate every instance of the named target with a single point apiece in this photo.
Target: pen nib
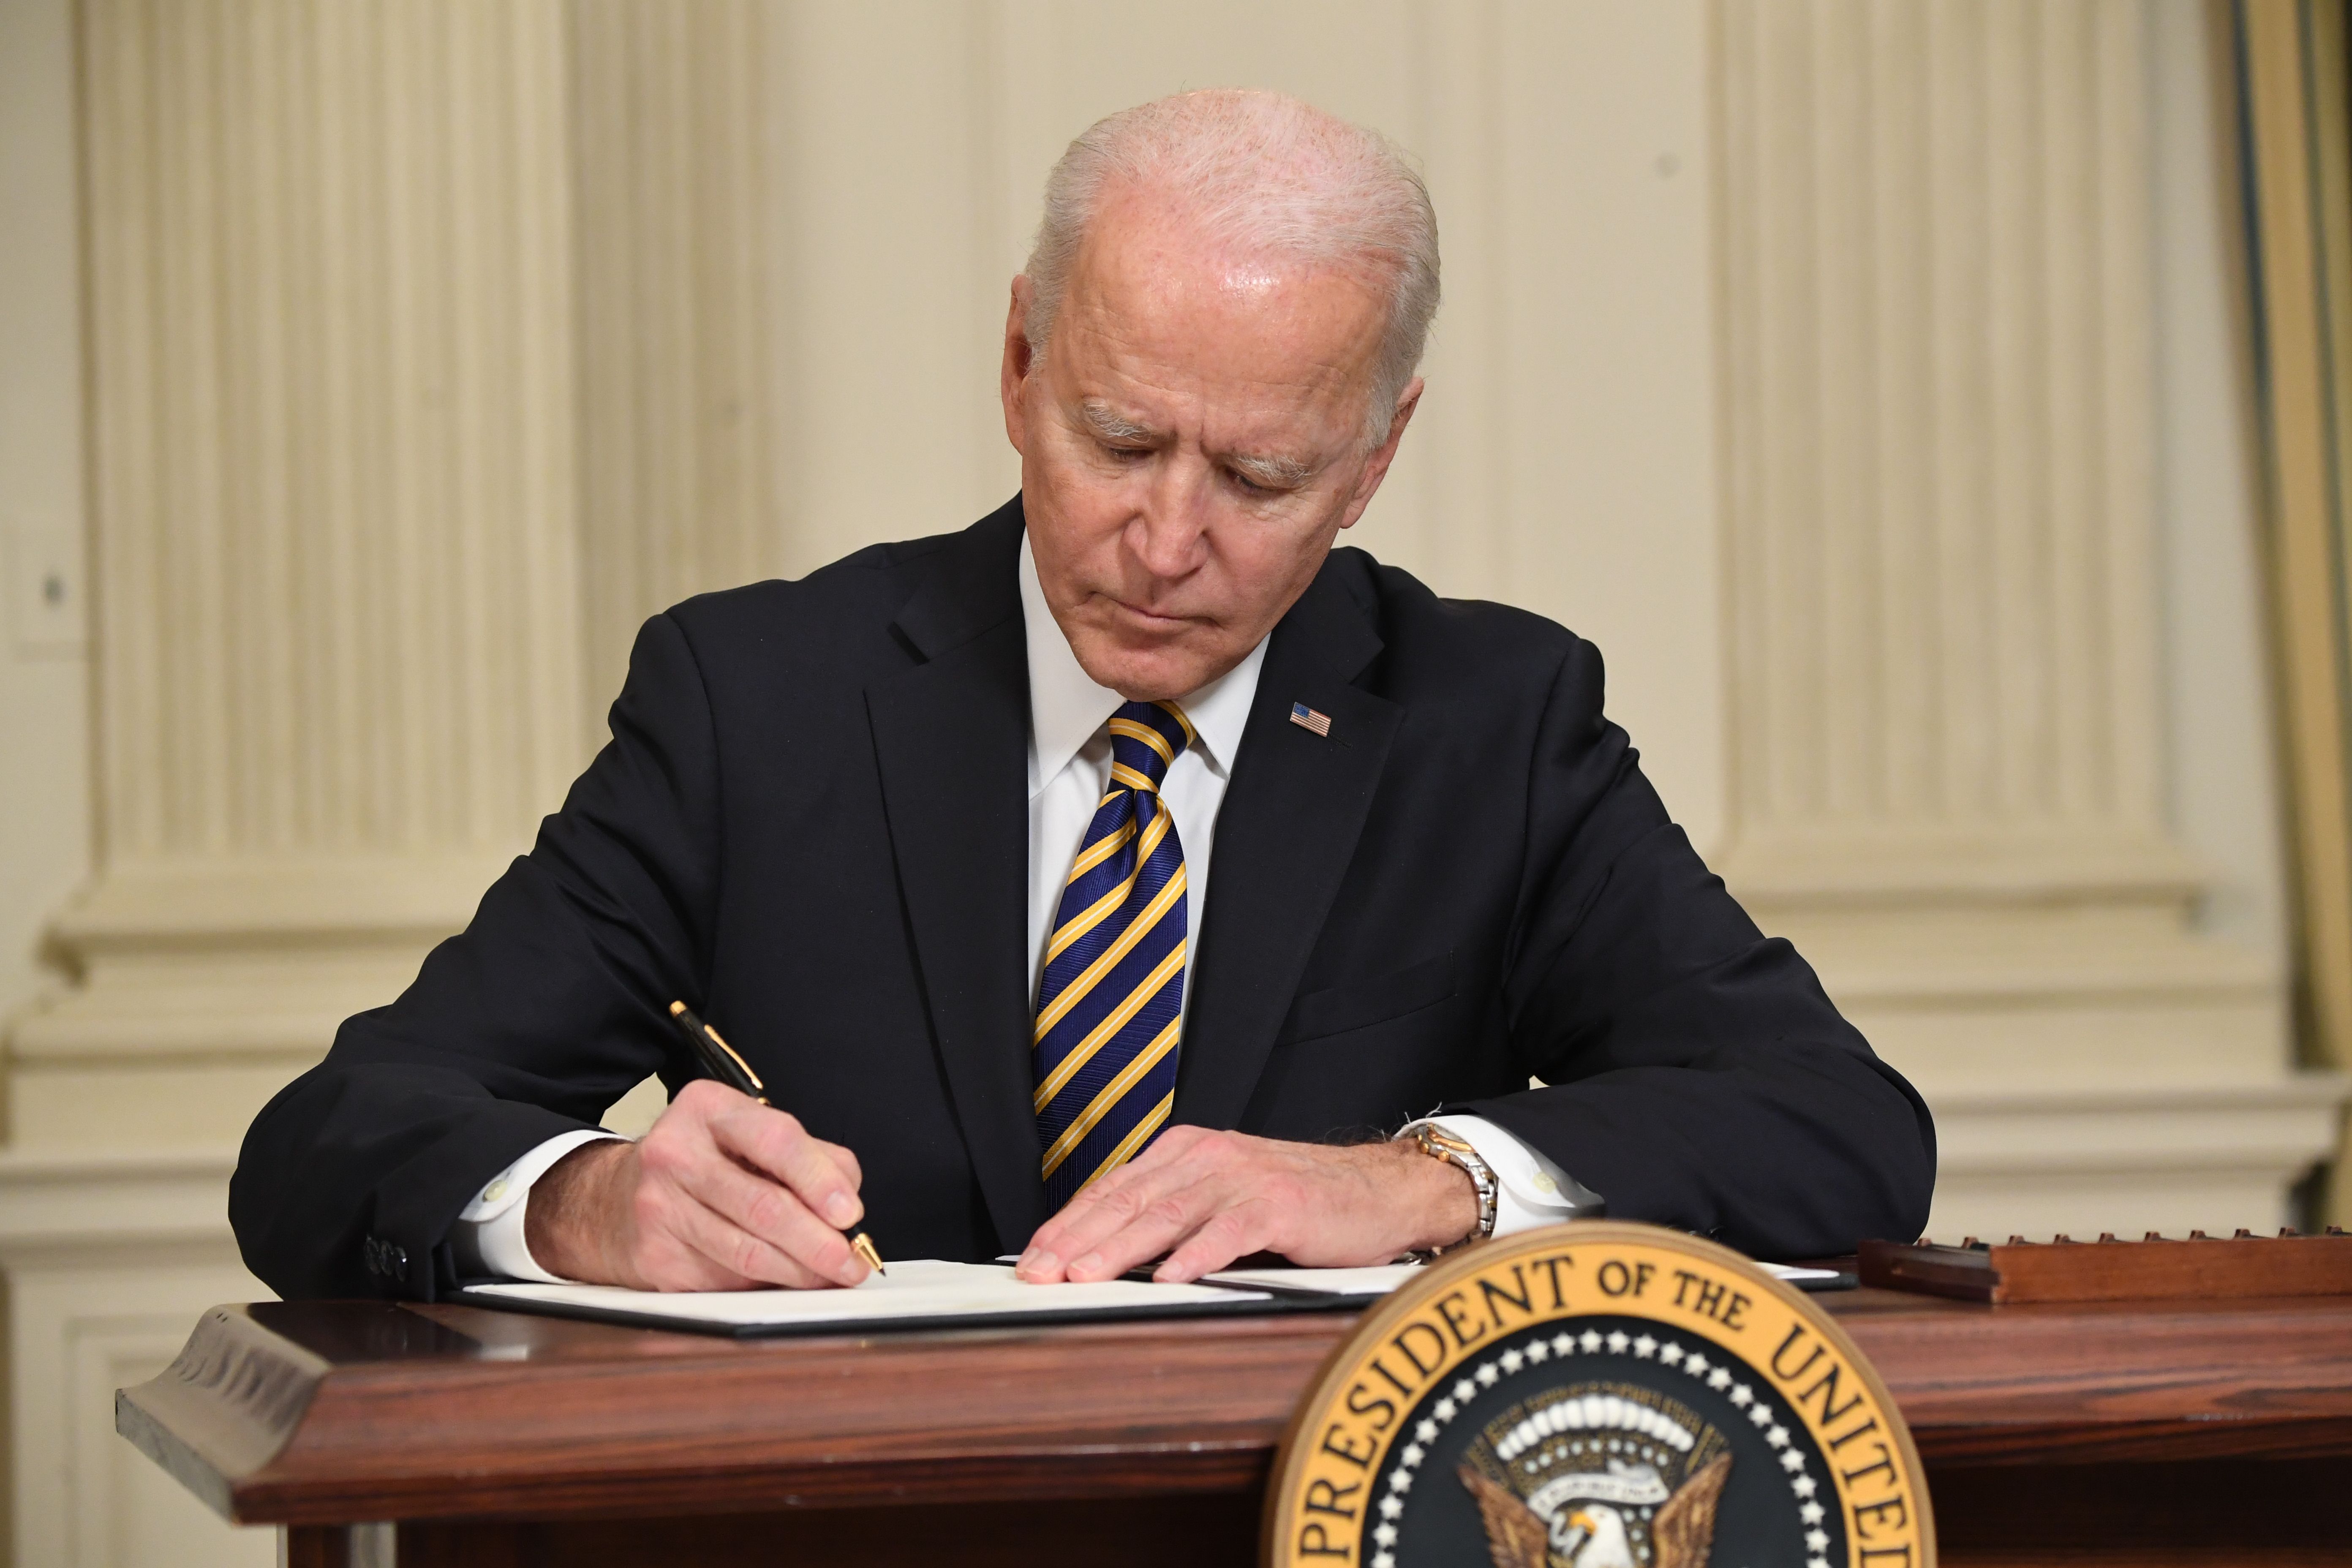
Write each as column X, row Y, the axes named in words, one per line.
column 863, row 1245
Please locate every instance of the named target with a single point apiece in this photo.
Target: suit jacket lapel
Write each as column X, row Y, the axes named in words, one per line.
column 1285, row 834
column 951, row 738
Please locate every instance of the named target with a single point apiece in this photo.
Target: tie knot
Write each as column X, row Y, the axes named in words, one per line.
column 1146, row 738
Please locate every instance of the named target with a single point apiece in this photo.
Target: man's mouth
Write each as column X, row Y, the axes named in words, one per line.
column 1150, row 618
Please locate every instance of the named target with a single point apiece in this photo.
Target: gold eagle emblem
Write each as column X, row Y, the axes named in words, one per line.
column 1594, row 1535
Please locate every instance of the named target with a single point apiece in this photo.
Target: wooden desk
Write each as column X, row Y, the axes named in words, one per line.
column 2171, row 1432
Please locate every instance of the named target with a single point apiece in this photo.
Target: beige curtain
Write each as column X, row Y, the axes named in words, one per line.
column 2297, row 158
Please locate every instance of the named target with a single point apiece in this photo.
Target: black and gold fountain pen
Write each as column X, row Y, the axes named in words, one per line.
column 720, row 1061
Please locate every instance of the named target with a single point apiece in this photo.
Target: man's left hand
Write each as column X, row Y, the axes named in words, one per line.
column 1206, row 1199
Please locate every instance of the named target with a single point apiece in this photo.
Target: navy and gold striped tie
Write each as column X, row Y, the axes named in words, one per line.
column 1107, row 1006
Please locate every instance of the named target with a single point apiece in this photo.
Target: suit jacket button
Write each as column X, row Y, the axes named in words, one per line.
column 372, row 1251
column 397, row 1256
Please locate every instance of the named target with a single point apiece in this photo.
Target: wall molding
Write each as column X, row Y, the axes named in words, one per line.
column 109, row 1259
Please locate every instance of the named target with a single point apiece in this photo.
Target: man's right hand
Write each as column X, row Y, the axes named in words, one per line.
column 723, row 1193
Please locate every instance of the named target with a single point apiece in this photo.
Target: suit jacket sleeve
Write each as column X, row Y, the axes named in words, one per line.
column 1699, row 1076
column 546, row 1009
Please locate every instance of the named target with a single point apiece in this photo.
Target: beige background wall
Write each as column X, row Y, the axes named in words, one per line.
column 2220, row 764
column 44, row 797
column 368, row 371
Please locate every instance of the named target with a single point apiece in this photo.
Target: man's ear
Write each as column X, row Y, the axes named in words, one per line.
column 1019, row 360
column 1376, row 467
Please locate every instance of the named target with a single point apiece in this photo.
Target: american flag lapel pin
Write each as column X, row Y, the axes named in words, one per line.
column 1306, row 718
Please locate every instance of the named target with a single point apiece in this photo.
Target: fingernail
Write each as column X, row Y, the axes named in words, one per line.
column 1090, row 1264
column 1038, row 1263
column 840, row 1209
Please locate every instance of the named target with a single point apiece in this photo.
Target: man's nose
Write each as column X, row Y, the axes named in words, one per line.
column 1165, row 535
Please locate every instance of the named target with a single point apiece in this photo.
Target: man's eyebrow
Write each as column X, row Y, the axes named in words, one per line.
column 1110, row 425
column 1269, row 472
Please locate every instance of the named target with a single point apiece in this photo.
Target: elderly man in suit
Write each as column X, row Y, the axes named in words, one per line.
column 929, row 836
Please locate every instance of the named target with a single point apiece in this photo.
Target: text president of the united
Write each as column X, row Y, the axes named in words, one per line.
column 1116, row 877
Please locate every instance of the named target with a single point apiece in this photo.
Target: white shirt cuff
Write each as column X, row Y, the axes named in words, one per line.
column 488, row 1238
column 1530, row 1190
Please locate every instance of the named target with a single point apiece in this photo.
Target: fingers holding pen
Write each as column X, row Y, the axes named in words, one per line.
column 719, row 1254
column 748, row 1187
column 762, row 1230
column 821, row 1174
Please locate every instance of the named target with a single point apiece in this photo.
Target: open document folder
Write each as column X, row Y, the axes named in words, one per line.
column 923, row 1293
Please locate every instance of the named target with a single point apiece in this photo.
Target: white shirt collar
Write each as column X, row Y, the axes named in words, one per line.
column 1067, row 708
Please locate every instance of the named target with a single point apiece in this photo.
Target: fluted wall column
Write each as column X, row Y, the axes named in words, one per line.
column 1946, row 782
column 334, row 463
column 680, row 465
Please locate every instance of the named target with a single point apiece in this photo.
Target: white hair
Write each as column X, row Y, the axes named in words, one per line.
column 1268, row 174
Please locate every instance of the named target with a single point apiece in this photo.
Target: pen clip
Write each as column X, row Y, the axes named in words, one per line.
column 719, row 1057
column 741, row 1065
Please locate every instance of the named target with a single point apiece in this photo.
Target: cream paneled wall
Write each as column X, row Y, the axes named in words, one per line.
column 1809, row 357
column 335, row 507
column 1938, row 340
column 681, row 470
column 1939, row 323
column 45, row 804
column 333, row 502
column 331, row 342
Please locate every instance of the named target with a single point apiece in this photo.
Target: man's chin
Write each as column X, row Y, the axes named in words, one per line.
column 1151, row 674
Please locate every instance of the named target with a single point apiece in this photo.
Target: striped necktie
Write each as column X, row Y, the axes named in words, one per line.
column 1105, row 1046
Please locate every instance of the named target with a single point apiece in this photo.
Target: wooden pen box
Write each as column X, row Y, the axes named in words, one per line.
column 2156, row 1268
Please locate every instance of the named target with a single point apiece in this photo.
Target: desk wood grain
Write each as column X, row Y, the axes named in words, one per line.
column 332, row 1412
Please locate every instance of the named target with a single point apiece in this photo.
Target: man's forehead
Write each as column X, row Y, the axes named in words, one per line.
column 1144, row 268
column 1143, row 284
column 1131, row 375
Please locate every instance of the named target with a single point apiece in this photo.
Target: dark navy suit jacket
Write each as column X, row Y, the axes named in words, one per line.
column 811, row 825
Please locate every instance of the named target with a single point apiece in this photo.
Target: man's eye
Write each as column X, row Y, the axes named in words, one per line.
column 1126, row 454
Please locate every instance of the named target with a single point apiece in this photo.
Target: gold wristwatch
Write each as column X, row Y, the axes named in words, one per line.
column 1439, row 1145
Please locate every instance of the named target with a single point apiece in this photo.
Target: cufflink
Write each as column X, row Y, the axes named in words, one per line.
column 495, row 1190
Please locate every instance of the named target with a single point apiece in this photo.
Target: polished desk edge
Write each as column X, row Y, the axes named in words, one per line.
column 323, row 1412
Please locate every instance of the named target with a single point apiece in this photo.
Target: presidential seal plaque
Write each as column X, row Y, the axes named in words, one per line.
column 1598, row 1394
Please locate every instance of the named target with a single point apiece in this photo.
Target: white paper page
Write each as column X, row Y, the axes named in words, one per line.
column 913, row 1290
column 1379, row 1279
column 1376, row 1280
column 1384, row 1277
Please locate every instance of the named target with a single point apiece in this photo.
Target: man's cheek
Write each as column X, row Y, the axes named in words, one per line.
column 1093, row 506
column 1255, row 576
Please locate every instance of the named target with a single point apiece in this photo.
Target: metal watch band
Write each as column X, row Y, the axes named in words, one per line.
column 1439, row 1145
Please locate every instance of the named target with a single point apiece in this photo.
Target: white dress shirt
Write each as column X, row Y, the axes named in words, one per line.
column 1069, row 771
